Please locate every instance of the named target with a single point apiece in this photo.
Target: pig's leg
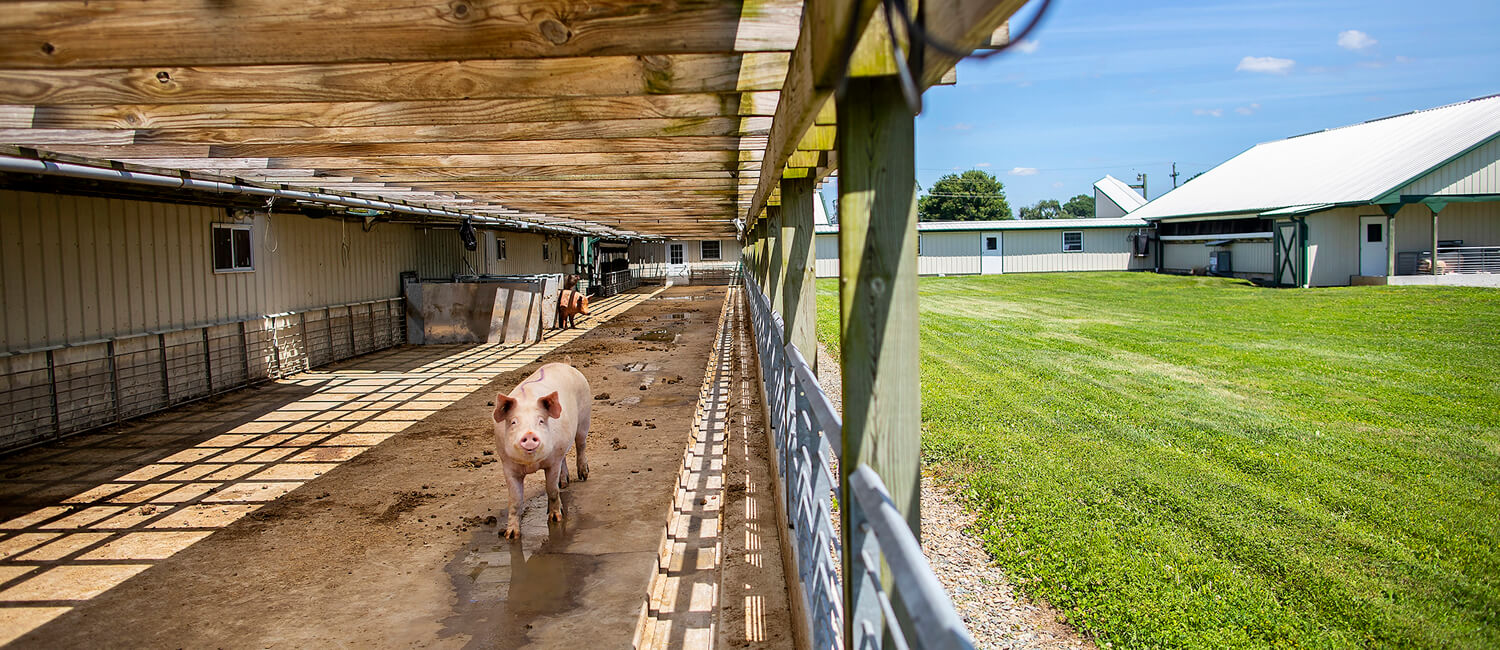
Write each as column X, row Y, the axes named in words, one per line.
column 554, row 498
column 578, row 441
column 517, row 484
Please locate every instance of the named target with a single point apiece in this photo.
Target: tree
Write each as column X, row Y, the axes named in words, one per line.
column 1044, row 209
column 1079, row 207
column 971, row 196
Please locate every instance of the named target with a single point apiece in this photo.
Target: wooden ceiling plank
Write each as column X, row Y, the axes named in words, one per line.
column 121, row 33
column 390, row 113
column 448, row 80
column 562, row 130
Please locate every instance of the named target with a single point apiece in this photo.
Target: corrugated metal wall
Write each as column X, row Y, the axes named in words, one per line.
column 1245, row 257
column 692, row 250
column 1476, row 172
column 82, row 268
column 1333, row 245
column 827, row 250
column 948, row 253
column 1040, row 251
column 1477, row 224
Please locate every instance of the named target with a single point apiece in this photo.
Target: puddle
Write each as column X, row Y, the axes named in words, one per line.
column 682, row 316
column 628, row 401
column 660, row 336
column 505, row 586
column 639, row 366
column 682, row 298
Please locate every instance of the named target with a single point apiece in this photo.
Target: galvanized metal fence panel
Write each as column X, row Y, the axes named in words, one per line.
column 53, row 392
column 806, row 430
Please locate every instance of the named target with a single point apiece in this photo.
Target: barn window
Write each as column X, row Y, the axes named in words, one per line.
column 231, row 244
column 1072, row 241
column 992, row 243
column 711, row 250
column 546, row 250
column 499, row 248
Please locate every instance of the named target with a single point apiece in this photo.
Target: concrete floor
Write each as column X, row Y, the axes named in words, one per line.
column 323, row 508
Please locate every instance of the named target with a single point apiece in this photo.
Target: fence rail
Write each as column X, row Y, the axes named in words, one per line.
column 1470, row 259
column 53, row 392
column 806, row 430
column 615, row 282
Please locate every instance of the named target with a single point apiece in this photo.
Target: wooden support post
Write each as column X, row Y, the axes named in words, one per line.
column 1434, row 240
column 1390, row 246
column 777, row 271
column 878, row 316
column 800, row 294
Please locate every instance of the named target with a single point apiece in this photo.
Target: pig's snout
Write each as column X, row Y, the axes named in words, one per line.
column 529, row 441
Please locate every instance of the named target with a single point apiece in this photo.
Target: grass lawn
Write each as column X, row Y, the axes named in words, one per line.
column 1197, row 462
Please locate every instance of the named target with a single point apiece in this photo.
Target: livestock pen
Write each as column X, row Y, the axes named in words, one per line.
column 238, row 243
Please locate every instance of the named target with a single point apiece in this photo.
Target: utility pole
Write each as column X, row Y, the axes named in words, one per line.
column 1141, row 178
column 1174, row 176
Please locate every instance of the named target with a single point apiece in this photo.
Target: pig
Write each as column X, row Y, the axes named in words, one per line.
column 569, row 306
column 535, row 426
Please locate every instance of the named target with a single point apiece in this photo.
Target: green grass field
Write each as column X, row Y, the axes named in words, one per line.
column 1196, row 462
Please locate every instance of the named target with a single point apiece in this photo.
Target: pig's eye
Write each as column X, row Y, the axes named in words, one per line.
column 514, row 422
column 541, row 420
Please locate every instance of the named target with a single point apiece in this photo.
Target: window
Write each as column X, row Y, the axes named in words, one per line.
column 1072, row 241
column 711, row 250
column 1373, row 233
column 499, row 248
column 674, row 254
column 992, row 243
column 546, row 250
column 232, row 248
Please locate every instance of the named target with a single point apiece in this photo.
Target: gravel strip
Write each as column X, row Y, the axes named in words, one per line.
column 997, row 616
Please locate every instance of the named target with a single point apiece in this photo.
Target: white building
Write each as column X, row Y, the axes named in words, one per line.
column 1114, row 198
column 1361, row 204
column 1015, row 246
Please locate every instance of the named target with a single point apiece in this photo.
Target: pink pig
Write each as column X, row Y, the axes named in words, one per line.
column 535, row 426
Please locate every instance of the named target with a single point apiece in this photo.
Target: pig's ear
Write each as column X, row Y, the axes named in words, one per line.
column 551, row 405
column 503, row 406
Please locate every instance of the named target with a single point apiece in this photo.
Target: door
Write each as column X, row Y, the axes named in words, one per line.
column 1373, row 240
column 677, row 268
column 989, row 253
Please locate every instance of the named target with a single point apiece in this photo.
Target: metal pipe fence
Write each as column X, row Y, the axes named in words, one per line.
column 806, row 430
column 1470, row 259
column 615, row 282
column 52, row 392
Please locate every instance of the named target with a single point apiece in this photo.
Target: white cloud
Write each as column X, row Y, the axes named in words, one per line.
column 1355, row 40
column 961, row 126
column 982, row 165
column 1023, row 171
column 1266, row 64
column 1057, row 185
column 1247, row 110
column 1028, row 46
column 1216, row 112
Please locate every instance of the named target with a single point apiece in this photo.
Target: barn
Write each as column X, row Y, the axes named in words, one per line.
column 1368, row 203
column 1016, row 246
column 268, row 269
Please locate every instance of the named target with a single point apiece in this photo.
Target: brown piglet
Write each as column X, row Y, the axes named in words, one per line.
column 535, row 426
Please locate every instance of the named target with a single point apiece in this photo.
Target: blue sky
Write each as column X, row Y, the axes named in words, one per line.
column 1126, row 87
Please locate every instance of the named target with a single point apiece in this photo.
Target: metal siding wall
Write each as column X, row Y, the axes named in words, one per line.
column 1333, row 245
column 1040, row 251
column 948, row 253
column 1476, row 172
column 827, row 265
column 84, row 268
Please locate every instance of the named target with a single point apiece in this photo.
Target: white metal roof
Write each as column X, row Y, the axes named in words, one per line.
column 1347, row 165
column 1013, row 224
column 1121, row 193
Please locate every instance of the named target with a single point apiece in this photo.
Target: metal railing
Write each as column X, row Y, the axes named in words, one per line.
column 52, row 392
column 615, row 282
column 1470, row 259
column 807, row 430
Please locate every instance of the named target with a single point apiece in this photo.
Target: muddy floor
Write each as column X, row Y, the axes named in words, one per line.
column 398, row 545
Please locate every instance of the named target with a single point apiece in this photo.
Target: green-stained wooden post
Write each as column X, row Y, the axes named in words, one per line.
column 878, row 316
column 800, row 294
column 1434, row 240
column 777, row 270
